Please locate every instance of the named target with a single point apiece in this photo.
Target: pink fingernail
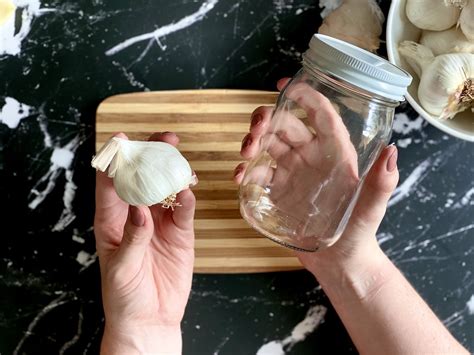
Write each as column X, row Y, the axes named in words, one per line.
column 238, row 171
column 137, row 216
column 256, row 120
column 247, row 141
column 392, row 160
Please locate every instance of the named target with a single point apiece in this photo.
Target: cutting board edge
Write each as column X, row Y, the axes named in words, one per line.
column 258, row 270
column 183, row 91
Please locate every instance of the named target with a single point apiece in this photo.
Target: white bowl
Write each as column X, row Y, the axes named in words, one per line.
column 399, row 28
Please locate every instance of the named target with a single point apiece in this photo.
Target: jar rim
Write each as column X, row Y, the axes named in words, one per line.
column 343, row 85
column 358, row 67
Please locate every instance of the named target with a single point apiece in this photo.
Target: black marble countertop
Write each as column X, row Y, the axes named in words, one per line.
column 66, row 56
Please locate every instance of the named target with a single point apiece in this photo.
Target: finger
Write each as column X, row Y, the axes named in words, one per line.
column 108, row 206
column 378, row 187
column 183, row 215
column 261, row 175
column 252, row 146
column 260, row 122
column 137, row 234
column 287, row 126
column 290, row 129
column 282, row 83
column 167, row 137
column 239, row 172
column 321, row 114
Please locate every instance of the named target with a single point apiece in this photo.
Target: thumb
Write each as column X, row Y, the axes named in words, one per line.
column 137, row 234
column 183, row 217
column 378, row 187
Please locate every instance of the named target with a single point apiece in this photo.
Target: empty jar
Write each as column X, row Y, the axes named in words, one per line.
column 330, row 124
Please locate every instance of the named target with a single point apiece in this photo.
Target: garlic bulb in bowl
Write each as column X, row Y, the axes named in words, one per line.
column 466, row 20
column 449, row 41
column 399, row 29
column 446, row 81
column 145, row 173
column 434, row 15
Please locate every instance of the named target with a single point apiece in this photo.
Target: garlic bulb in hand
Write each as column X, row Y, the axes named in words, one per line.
column 446, row 81
column 434, row 15
column 449, row 41
column 466, row 20
column 145, row 173
column 356, row 21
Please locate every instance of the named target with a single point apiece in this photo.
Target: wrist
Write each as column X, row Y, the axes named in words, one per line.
column 142, row 340
column 356, row 277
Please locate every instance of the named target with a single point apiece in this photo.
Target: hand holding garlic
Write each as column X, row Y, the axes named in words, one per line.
column 146, row 254
column 145, row 173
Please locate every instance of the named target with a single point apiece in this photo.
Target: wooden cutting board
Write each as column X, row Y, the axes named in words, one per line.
column 210, row 125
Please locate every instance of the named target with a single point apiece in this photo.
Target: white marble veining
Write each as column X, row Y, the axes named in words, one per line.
column 166, row 30
column 11, row 38
column 328, row 6
column 314, row 317
column 13, row 112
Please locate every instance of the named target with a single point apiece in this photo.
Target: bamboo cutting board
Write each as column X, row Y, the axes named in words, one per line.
column 210, row 125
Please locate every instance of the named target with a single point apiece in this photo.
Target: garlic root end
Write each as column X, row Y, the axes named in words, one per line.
column 461, row 100
column 170, row 202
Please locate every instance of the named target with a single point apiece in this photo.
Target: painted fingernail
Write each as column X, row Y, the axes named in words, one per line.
column 392, row 160
column 238, row 171
column 247, row 141
column 167, row 132
column 256, row 120
column 194, row 180
column 137, row 216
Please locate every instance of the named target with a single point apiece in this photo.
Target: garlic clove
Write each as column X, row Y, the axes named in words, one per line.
column 466, row 20
column 449, row 41
column 417, row 55
column 145, row 173
column 434, row 15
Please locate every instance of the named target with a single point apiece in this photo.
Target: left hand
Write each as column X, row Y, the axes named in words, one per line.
column 146, row 257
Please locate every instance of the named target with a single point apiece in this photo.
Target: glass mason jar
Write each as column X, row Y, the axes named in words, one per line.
column 331, row 122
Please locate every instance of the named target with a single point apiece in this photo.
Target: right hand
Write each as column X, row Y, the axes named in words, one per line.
column 358, row 241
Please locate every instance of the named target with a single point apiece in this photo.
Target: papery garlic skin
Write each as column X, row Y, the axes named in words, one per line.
column 358, row 22
column 145, row 173
column 446, row 81
column 449, row 41
column 466, row 20
column 447, row 85
column 434, row 15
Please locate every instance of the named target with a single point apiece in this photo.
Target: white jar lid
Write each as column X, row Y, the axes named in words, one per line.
column 358, row 67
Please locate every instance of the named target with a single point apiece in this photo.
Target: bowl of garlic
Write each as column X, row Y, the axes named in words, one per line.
column 434, row 41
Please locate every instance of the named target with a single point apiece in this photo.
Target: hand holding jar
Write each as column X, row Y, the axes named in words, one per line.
column 309, row 159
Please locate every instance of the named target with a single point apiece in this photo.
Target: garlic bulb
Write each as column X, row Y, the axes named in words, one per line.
column 466, row 20
column 434, row 15
column 446, row 81
column 145, row 173
column 7, row 10
column 357, row 22
column 449, row 41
